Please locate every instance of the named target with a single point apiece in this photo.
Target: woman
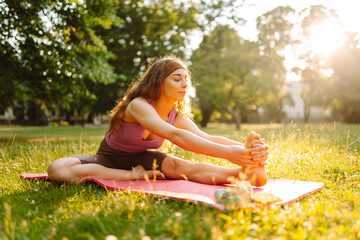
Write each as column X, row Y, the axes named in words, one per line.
column 157, row 108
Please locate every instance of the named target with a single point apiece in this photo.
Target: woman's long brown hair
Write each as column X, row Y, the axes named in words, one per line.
column 149, row 86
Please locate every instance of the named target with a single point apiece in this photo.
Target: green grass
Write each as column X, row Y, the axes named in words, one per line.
column 33, row 134
column 328, row 153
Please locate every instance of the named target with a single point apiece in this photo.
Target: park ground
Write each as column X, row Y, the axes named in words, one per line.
column 327, row 153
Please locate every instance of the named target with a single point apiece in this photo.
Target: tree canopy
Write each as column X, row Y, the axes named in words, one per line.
column 345, row 89
column 50, row 51
column 69, row 55
column 82, row 55
column 226, row 74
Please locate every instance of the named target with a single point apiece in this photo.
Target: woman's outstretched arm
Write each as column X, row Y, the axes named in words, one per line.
column 189, row 125
column 253, row 140
column 147, row 116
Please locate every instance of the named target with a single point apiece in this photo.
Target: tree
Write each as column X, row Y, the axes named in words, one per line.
column 149, row 29
column 315, row 91
column 216, row 12
column 225, row 72
column 68, row 54
column 50, row 52
column 162, row 28
column 274, row 36
column 316, row 83
column 346, row 87
column 341, row 89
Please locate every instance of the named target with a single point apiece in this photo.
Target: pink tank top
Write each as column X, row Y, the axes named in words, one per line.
column 128, row 137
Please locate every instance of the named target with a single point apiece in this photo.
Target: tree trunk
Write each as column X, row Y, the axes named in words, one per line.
column 235, row 113
column 83, row 120
column 279, row 113
column 67, row 116
column 352, row 115
column 236, row 117
column 306, row 111
column 237, row 122
column 206, row 114
column 37, row 108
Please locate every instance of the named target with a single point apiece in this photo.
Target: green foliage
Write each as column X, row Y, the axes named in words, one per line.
column 147, row 30
column 226, row 74
column 346, row 86
column 341, row 90
column 238, row 76
column 274, row 36
column 50, row 50
column 217, row 12
column 82, row 55
column 316, row 88
column 328, row 153
column 275, row 29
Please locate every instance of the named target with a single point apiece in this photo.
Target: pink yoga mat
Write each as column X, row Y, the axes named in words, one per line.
column 288, row 190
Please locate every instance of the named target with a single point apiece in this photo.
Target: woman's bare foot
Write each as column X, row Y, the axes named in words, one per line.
column 255, row 175
column 249, row 141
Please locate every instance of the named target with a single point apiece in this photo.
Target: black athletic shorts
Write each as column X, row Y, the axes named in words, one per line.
column 108, row 157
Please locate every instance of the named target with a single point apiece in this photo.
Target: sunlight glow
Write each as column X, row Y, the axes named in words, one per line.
column 325, row 38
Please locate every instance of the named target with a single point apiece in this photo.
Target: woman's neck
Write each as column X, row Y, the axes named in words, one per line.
column 163, row 106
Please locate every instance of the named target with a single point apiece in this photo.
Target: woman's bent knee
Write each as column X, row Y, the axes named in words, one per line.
column 59, row 169
column 176, row 168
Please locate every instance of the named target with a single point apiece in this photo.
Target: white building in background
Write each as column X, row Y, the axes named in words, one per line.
column 296, row 112
column 7, row 116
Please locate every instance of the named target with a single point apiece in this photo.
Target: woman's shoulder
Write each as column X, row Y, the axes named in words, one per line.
column 136, row 107
column 138, row 104
column 139, row 100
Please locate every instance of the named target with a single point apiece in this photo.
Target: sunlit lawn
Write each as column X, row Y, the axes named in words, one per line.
column 327, row 153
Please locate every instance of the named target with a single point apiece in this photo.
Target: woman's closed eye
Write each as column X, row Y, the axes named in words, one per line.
column 180, row 79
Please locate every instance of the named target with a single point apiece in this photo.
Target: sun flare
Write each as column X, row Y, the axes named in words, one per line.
column 325, row 38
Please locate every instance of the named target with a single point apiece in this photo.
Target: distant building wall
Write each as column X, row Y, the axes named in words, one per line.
column 7, row 116
column 296, row 112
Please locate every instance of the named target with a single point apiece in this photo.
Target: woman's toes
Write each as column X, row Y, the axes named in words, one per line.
column 250, row 139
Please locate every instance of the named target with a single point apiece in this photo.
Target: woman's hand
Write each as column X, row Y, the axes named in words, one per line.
column 255, row 152
column 260, row 156
column 254, row 140
column 248, row 157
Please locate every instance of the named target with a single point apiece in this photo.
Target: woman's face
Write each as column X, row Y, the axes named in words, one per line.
column 176, row 85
